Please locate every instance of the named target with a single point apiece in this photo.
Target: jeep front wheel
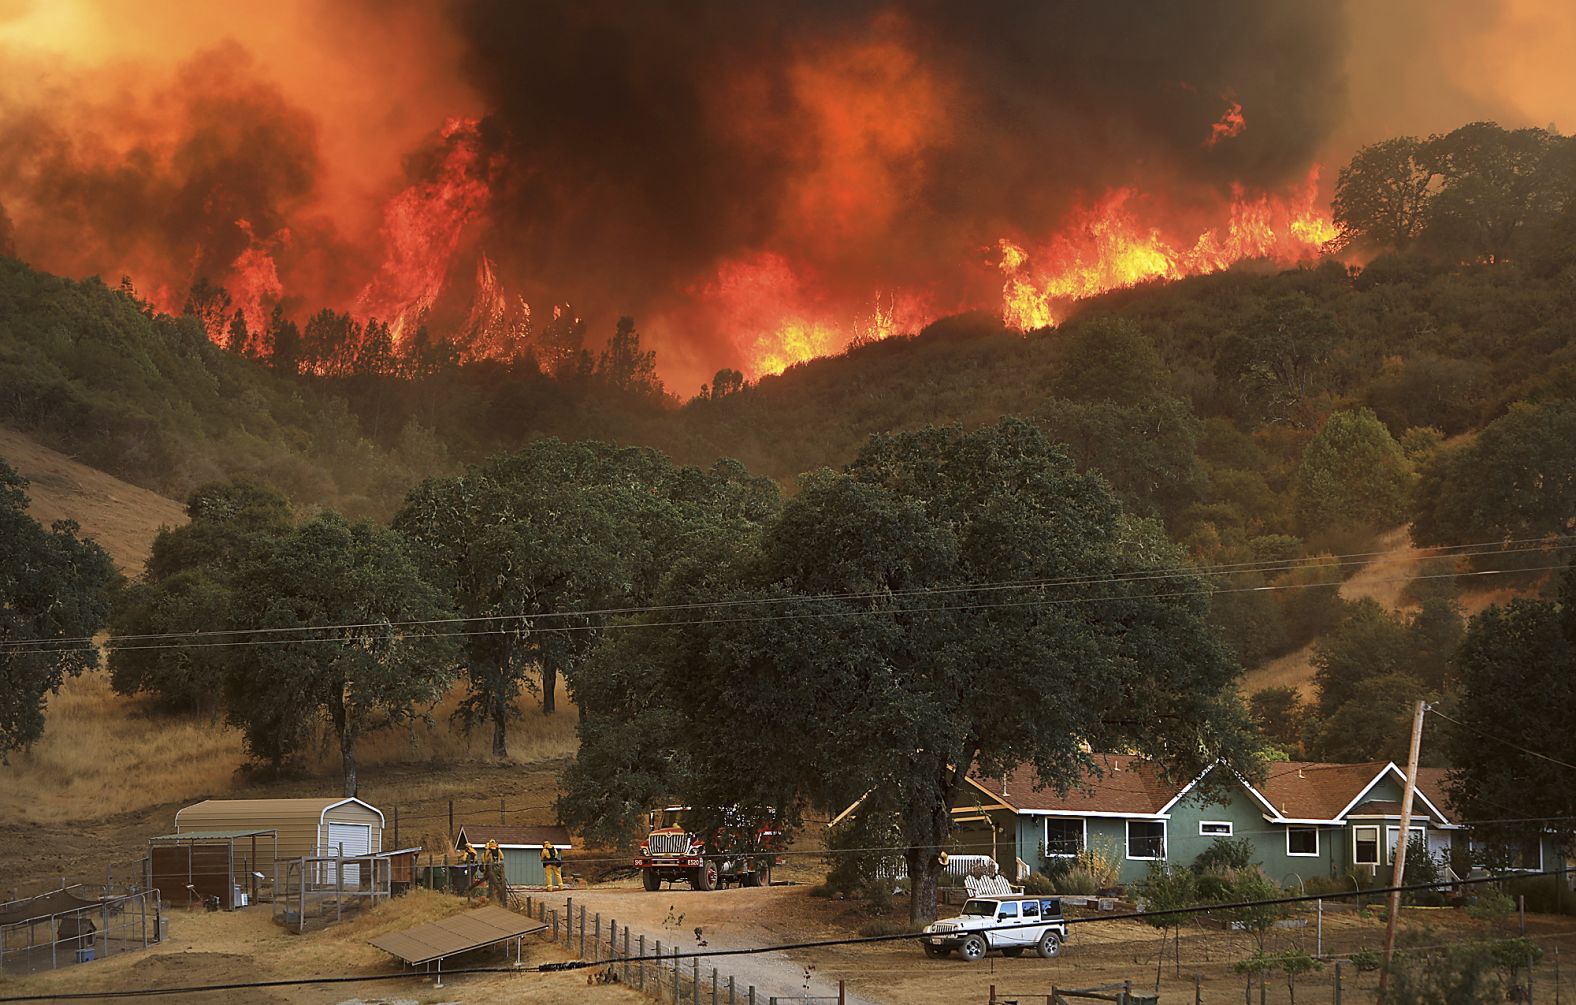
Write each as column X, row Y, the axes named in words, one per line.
column 973, row 948
column 1050, row 945
column 936, row 952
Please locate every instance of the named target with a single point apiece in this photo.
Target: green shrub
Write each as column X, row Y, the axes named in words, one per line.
column 1225, row 855
column 1366, row 960
column 1039, row 884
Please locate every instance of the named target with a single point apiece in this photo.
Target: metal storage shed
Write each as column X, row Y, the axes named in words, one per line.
column 521, row 847
column 319, row 825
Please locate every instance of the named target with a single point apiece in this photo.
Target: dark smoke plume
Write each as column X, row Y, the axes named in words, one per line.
column 647, row 142
column 181, row 186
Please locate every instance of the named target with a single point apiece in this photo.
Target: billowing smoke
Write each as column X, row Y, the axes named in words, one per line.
column 872, row 146
column 818, row 171
column 176, row 186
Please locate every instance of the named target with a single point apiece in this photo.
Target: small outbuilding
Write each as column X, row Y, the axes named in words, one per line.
column 521, row 847
column 319, row 825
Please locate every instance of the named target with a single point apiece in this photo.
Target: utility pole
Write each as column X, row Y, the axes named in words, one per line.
column 1402, row 839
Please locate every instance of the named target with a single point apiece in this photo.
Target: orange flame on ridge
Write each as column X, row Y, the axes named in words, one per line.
column 1106, row 248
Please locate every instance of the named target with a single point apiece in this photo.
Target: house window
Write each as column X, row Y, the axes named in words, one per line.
column 1365, row 846
column 1418, row 834
column 1302, row 841
column 1214, row 828
column 1524, row 854
column 1146, row 839
column 1064, row 836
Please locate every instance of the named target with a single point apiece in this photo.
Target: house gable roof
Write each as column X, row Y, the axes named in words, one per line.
column 1125, row 786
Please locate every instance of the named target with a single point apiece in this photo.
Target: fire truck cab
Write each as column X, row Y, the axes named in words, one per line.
column 740, row 851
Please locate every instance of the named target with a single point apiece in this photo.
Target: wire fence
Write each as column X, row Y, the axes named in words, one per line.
column 642, row 964
column 68, row 929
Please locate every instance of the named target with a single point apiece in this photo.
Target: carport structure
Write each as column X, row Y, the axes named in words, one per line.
column 428, row 945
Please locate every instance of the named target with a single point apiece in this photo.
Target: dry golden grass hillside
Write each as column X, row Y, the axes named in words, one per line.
column 120, row 516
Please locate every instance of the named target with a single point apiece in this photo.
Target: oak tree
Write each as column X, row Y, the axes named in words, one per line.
column 859, row 646
column 55, row 592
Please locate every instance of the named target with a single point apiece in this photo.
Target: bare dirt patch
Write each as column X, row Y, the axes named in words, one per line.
column 245, row 946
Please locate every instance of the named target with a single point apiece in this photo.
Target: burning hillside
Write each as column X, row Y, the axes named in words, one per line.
column 758, row 184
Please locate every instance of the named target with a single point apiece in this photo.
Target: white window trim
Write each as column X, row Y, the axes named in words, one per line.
column 1475, row 845
column 1378, row 836
column 1390, row 846
column 1303, row 854
column 1083, row 841
column 1215, row 823
column 1127, row 842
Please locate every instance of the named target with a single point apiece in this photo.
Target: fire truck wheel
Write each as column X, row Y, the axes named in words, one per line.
column 651, row 880
column 763, row 874
column 706, row 877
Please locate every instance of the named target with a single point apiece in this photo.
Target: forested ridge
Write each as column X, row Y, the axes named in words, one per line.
column 1270, row 422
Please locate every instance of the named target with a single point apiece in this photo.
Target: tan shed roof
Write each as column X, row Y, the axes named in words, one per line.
column 525, row 835
column 460, row 933
column 316, row 805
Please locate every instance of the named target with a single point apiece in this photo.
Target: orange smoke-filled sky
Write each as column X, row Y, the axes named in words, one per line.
column 850, row 174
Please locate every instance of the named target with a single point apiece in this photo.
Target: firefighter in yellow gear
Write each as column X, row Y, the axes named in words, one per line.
column 492, row 873
column 552, row 866
column 467, row 857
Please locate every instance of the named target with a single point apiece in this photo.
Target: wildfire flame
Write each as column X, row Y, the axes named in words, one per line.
column 422, row 228
column 499, row 325
column 1231, row 124
column 254, row 280
column 1107, row 247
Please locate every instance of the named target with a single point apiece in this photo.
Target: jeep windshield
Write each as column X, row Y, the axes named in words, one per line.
column 980, row 909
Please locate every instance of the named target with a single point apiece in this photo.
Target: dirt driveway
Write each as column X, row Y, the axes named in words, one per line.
column 1099, row 951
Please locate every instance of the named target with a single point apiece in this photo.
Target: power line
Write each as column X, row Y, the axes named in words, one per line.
column 45, row 646
column 756, row 950
column 1268, row 566
column 1501, row 739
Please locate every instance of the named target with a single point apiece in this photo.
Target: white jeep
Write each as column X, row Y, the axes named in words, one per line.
column 1008, row 924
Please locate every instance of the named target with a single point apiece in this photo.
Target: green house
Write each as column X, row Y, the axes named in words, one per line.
column 1304, row 819
column 521, row 847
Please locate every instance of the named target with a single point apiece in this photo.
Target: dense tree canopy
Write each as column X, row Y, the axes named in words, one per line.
column 851, row 623
column 189, row 588
column 1516, row 480
column 1517, row 666
column 1353, row 475
column 54, row 595
column 352, row 639
column 532, row 545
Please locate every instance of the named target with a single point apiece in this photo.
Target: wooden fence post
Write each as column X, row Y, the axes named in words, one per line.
column 1337, row 982
column 626, row 954
column 582, row 931
column 640, row 965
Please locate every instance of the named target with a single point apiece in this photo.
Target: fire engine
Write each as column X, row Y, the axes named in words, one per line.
column 741, row 851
